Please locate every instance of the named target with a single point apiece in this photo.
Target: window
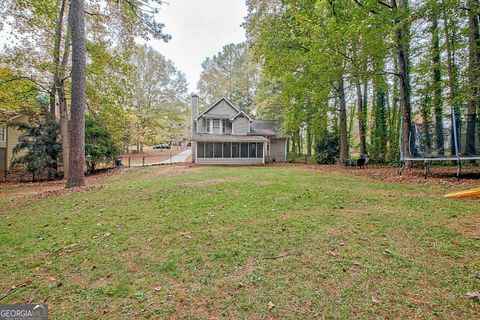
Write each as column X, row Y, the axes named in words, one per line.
column 244, row 150
column 209, row 150
column 235, row 150
column 252, row 150
column 216, row 126
column 217, row 150
column 208, row 124
column 3, row 134
column 259, row 150
column 227, row 148
column 224, row 125
column 201, row 150
column 268, row 149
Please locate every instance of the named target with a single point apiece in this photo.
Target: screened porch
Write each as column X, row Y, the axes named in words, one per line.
column 230, row 150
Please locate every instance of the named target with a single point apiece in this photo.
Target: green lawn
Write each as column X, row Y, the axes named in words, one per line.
column 242, row 243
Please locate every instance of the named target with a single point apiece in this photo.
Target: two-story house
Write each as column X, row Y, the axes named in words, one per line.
column 223, row 134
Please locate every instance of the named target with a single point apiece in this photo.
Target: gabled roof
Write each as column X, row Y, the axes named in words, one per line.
column 214, row 104
column 239, row 113
column 264, row 127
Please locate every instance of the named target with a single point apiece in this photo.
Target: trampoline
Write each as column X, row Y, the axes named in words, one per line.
column 427, row 147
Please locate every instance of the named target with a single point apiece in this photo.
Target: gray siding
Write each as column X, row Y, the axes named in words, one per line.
column 277, row 150
column 240, row 126
column 201, row 125
column 244, row 161
column 228, row 129
column 222, row 108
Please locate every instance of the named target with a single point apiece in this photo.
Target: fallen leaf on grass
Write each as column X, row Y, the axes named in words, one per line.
column 270, row 305
column 473, row 295
column 375, row 300
column 157, row 289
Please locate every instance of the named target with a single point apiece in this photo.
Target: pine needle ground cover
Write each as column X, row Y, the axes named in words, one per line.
column 279, row 242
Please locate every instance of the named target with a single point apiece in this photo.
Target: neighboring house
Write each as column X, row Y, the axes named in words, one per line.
column 9, row 139
column 223, row 134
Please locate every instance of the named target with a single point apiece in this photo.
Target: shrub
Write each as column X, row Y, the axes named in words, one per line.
column 99, row 143
column 327, row 148
column 40, row 141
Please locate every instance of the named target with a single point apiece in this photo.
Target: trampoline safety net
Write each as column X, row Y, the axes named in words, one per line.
column 444, row 140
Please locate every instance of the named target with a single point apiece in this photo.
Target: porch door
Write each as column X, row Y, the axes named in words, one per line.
column 3, row 163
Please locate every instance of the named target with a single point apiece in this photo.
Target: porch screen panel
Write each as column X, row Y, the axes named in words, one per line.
column 226, row 150
column 208, row 150
column 244, row 150
column 259, row 150
column 235, row 150
column 217, row 150
column 252, row 149
column 200, row 150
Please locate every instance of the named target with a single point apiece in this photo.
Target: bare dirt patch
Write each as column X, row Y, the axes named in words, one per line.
column 169, row 170
column 469, row 226
column 389, row 174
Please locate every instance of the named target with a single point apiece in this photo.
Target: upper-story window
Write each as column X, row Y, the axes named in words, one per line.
column 216, row 126
column 3, row 133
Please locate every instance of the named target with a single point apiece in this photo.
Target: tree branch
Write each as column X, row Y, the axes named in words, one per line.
column 29, row 79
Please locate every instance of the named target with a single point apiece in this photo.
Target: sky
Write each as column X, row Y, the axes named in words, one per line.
column 199, row 29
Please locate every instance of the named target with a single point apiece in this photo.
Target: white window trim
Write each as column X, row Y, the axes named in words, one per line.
column 4, row 129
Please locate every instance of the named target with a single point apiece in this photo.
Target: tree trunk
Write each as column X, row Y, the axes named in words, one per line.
column 64, row 130
column 379, row 146
column 437, row 88
column 473, row 77
column 394, row 123
column 452, row 76
column 62, row 104
column 361, row 119
column 309, row 141
column 293, row 144
column 425, row 111
column 299, row 143
column 56, row 54
column 403, row 47
column 76, row 174
column 343, row 120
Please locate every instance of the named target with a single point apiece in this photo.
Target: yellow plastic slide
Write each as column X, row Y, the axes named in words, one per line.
column 472, row 193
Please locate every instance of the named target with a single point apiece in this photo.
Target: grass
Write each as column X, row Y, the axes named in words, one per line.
column 241, row 243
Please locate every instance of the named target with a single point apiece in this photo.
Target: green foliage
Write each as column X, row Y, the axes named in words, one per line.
column 159, row 111
column 17, row 94
column 378, row 148
column 100, row 145
column 327, row 148
column 230, row 73
column 304, row 47
column 38, row 149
